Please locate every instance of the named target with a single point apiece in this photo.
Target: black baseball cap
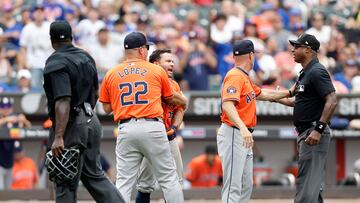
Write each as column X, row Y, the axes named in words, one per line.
column 60, row 30
column 307, row 40
column 241, row 47
column 135, row 40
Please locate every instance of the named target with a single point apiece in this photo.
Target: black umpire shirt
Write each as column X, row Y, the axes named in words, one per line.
column 70, row 72
column 313, row 85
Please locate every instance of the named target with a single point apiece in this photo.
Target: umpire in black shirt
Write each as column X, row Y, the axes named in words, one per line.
column 71, row 87
column 314, row 104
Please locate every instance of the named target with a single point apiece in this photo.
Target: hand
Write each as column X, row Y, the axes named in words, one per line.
column 313, row 138
column 57, row 146
column 248, row 138
column 12, row 119
column 171, row 130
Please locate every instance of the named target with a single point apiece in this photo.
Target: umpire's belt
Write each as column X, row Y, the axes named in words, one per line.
column 300, row 128
column 138, row 119
column 251, row 130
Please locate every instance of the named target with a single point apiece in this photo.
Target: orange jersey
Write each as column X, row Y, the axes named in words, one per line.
column 24, row 174
column 134, row 89
column 238, row 87
column 201, row 174
column 170, row 109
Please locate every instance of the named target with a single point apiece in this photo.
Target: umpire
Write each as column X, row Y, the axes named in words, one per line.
column 314, row 104
column 71, row 87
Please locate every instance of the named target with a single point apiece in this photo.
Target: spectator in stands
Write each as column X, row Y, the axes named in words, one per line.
column 87, row 29
column 35, row 46
column 351, row 69
column 119, row 32
column 23, row 82
column 205, row 170
column 280, row 35
column 8, row 119
column 105, row 54
column 197, row 61
column 319, row 28
column 163, row 16
column 235, row 16
column 24, row 173
column 5, row 70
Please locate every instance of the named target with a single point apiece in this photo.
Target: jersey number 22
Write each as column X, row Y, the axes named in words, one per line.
column 138, row 88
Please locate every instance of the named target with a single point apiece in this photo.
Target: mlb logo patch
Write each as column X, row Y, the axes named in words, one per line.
column 301, row 88
column 231, row 90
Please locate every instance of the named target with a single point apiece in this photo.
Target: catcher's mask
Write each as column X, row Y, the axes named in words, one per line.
column 64, row 167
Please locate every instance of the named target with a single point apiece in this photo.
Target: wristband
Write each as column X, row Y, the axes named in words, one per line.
column 320, row 127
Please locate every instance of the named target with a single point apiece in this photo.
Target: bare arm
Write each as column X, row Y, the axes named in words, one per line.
column 62, row 111
column 272, row 95
column 177, row 99
column 178, row 118
column 107, row 107
column 229, row 109
column 287, row 101
column 329, row 108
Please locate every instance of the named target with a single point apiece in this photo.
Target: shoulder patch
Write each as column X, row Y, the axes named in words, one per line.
column 231, row 90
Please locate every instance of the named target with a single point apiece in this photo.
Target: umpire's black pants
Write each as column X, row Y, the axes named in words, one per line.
column 311, row 175
column 90, row 171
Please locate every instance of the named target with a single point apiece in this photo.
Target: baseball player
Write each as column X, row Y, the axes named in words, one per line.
column 238, row 117
column 173, row 117
column 133, row 91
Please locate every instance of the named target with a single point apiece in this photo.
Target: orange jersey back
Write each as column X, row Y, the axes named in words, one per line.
column 169, row 109
column 238, row 87
column 24, row 174
column 201, row 174
column 134, row 89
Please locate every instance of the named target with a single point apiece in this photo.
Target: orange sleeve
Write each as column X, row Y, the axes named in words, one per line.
column 166, row 90
column 191, row 173
column 178, row 90
column 257, row 89
column 232, row 86
column 104, row 96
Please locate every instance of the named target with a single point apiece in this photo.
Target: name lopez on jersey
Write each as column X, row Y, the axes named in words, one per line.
column 131, row 71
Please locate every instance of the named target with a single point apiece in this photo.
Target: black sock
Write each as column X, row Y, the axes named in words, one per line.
column 142, row 197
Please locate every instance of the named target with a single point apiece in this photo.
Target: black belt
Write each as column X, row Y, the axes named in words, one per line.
column 251, row 130
column 303, row 127
column 129, row 119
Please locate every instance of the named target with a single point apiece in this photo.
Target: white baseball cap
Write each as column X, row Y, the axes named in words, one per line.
column 23, row 73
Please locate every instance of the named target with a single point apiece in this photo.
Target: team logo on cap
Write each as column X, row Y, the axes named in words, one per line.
column 62, row 36
column 126, row 46
column 236, row 52
column 306, row 42
column 231, row 90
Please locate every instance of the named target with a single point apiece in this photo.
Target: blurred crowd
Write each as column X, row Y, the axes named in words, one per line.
column 199, row 32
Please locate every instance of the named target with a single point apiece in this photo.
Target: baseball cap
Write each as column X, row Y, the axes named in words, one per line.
column 295, row 12
column 17, row 146
column 60, row 30
column 135, row 40
column 307, row 40
column 23, row 73
column 37, row 7
column 242, row 47
column 6, row 102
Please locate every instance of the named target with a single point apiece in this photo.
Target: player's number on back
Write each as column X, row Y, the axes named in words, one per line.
column 138, row 88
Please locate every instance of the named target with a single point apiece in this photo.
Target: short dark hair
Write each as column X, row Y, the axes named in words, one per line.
column 156, row 55
column 211, row 149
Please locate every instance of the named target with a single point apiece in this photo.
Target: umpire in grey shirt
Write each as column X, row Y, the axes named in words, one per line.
column 314, row 104
column 71, row 88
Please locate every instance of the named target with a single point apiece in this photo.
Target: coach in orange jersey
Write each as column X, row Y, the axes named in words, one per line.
column 238, row 117
column 133, row 91
column 173, row 117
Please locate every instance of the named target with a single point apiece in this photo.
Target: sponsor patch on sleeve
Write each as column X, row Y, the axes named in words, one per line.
column 231, row 90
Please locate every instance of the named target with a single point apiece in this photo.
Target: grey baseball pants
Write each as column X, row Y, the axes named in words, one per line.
column 140, row 138
column 311, row 175
column 146, row 181
column 237, row 165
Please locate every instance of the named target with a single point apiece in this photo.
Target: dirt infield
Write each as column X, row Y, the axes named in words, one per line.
column 213, row 201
